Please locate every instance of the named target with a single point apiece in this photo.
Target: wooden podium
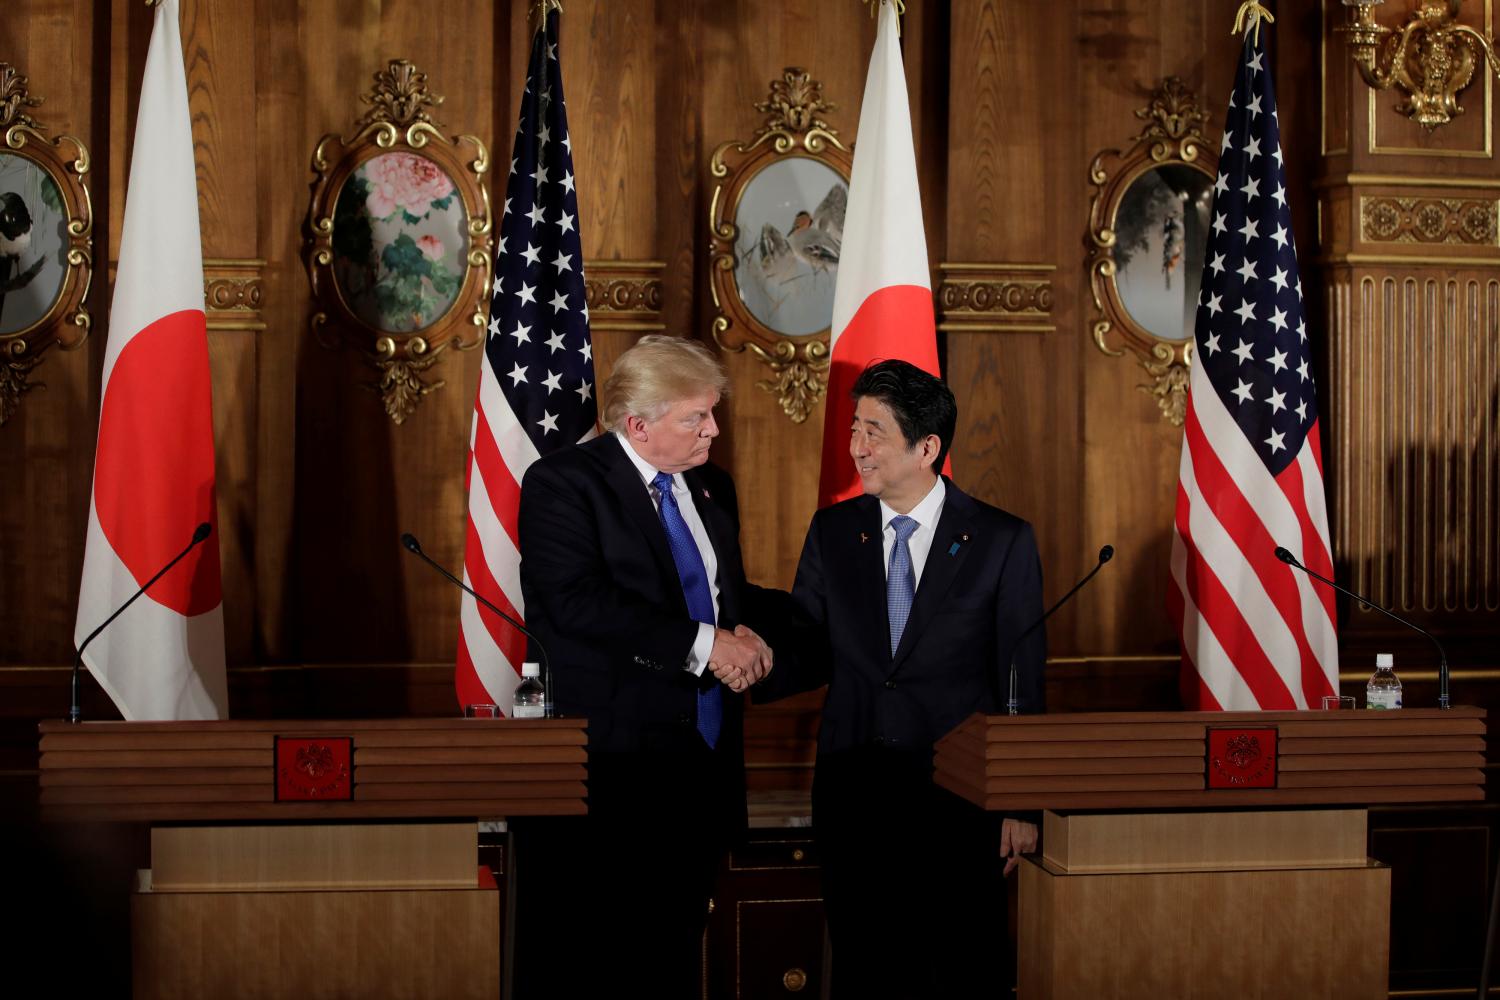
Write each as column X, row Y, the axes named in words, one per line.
column 1202, row 854
column 314, row 859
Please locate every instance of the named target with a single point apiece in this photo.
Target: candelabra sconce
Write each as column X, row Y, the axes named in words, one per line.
column 1431, row 58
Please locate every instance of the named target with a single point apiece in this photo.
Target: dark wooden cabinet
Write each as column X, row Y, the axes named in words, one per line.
column 766, row 936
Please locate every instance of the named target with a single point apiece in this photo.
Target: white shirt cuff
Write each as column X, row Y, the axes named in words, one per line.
column 703, row 648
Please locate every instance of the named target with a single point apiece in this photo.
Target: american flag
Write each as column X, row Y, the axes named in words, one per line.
column 536, row 386
column 1256, row 634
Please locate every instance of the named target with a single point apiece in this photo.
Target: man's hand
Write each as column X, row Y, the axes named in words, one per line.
column 739, row 658
column 1016, row 838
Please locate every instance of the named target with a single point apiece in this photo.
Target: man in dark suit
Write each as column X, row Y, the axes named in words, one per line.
column 632, row 578
column 919, row 594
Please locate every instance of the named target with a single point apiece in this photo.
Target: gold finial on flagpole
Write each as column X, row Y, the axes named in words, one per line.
column 153, row 3
column 875, row 5
column 1249, row 17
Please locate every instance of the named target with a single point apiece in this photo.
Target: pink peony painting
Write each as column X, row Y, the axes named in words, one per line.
column 400, row 233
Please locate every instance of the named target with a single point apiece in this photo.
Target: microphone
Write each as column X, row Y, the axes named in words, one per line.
column 1012, row 705
column 1291, row 560
column 409, row 541
column 200, row 534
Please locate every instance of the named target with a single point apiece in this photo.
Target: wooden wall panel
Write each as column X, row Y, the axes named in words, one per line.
column 1009, row 103
column 1131, row 451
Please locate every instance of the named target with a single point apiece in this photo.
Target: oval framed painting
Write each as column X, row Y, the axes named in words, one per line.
column 46, row 241
column 777, row 219
column 398, row 239
column 1149, row 221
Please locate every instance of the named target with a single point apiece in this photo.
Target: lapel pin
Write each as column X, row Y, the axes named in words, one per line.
column 953, row 549
column 863, row 537
column 706, row 496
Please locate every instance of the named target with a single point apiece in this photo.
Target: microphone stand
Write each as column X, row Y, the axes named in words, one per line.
column 409, row 541
column 199, row 534
column 1286, row 556
column 1013, row 704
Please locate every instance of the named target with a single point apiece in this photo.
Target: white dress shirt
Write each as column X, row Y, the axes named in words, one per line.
column 926, row 514
column 703, row 646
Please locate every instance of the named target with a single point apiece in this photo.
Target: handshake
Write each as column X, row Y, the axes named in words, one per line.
column 739, row 658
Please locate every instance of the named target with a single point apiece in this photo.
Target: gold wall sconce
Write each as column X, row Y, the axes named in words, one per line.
column 1431, row 58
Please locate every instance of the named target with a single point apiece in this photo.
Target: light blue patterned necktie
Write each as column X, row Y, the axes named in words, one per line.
column 700, row 601
column 900, row 579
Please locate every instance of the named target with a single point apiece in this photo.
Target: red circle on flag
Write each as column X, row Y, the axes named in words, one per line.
column 154, row 473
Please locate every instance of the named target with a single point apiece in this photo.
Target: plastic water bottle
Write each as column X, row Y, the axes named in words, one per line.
column 1384, row 689
column 531, row 697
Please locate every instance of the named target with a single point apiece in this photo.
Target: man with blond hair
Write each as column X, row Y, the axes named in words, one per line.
column 632, row 577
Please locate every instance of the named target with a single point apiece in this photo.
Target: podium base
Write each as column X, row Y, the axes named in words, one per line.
column 1282, row 927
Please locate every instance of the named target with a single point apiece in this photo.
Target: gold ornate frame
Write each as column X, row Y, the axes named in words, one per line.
column 1172, row 135
column 67, row 322
column 400, row 119
column 792, row 128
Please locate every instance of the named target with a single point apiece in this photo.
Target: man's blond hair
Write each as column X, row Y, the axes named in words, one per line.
column 656, row 372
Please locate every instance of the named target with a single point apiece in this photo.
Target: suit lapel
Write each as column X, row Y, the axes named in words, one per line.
column 868, row 566
column 623, row 478
column 951, row 543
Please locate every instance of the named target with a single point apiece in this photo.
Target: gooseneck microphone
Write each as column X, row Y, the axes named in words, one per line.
column 409, row 541
column 200, row 535
column 1291, row 560
column 1012, row 704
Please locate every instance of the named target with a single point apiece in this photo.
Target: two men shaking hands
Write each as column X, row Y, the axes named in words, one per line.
column 907, row 603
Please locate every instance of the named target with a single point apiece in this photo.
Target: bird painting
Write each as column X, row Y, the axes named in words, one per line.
column 15, row 239
column 814, row 240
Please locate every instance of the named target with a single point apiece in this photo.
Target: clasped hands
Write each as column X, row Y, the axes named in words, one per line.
column 739, row 658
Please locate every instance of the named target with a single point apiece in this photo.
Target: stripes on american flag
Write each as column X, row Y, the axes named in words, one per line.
column 536, row 385
column 1256, row 634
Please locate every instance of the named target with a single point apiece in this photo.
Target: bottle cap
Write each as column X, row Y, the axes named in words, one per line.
column 1384, row 661
column 531, row 669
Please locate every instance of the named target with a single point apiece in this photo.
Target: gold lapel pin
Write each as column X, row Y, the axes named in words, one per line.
column 863, row 537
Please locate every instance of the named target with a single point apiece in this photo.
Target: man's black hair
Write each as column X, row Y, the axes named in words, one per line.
column 922, row 403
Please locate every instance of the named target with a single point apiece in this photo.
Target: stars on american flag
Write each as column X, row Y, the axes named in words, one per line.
column 1255, row 351
column 544, row 359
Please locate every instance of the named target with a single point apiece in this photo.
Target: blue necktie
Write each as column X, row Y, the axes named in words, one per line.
column 900, row 580
column 700, row 601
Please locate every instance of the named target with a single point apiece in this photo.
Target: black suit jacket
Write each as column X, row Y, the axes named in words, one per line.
column 603, row 594
column 980, row 588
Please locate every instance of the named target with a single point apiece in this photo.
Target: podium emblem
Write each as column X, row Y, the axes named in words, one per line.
column 314, row 769
column 1241, row 758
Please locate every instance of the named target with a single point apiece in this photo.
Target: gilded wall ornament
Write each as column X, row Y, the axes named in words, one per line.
column 1148, row 224
column 624, row 294
column 777, row 223
column 46, row 242
column 995, row 298
column 398, row 237
column 1430, row 59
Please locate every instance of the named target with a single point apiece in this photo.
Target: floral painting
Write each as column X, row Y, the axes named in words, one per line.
column 791, row 231
column 400, row 242
column 33, row 243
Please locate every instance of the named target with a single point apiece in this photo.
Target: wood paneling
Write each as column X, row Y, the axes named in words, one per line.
column 390, row 943
column 1120, row 936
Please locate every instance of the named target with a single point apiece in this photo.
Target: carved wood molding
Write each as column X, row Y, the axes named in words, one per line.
column 624, row 295
column 1389, row 219
column 996, row 298
column 233, row 295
